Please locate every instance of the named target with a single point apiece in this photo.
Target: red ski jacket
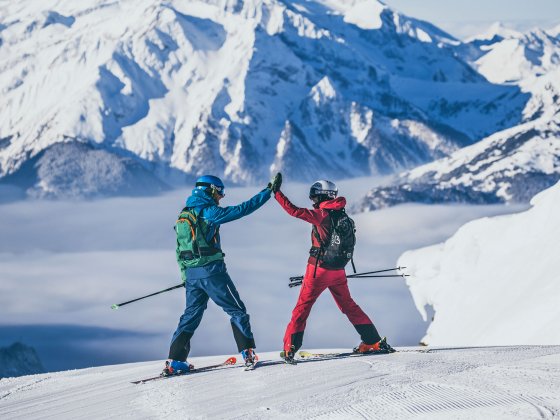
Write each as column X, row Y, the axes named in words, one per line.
column 318, row 217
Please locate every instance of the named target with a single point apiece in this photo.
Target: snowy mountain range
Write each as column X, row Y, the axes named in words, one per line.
column 500, row 271
column 512, row 164
column 102, row 97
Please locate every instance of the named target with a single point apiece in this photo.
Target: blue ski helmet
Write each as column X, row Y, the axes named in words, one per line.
column 212, row 182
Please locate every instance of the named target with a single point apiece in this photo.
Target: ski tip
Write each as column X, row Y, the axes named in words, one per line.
column 305, row 354
column 115, row 306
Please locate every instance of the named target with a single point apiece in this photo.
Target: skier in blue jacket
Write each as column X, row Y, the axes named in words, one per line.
column 203, row 269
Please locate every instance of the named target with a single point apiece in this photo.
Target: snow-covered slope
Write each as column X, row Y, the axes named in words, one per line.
column 511, row 165
column 236, row 88
column 496, row 383
column 495, row 281
column 510, row 56
column 495, row 33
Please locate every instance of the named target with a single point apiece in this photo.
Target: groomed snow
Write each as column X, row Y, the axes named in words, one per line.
column 494, row 281
column 490, row 383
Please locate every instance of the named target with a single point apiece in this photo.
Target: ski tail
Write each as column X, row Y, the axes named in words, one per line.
column 231, row 361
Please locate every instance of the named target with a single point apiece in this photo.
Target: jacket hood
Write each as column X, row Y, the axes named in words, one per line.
column 200, row 198
column 335, row 204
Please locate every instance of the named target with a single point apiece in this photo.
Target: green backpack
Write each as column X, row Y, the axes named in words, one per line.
column 193, row 250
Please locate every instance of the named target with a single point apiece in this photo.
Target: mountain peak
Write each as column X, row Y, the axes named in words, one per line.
column 323, row 91
column 366, row 14
column 555, row 32
column 496, row 32
column 507, row 56
column 19, row 359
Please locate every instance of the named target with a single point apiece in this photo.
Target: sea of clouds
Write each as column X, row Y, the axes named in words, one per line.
column 62, row 265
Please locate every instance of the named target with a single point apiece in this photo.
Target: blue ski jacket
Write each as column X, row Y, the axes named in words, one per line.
column 215, row 216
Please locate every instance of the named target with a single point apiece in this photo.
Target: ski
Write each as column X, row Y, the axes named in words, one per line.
column 308, row 355
column 382, row 348
column 229, row 362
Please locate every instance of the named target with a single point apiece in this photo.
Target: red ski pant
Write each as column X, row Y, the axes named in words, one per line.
column 311, row 289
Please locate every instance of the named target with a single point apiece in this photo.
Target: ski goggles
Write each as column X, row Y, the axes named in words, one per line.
column 220, row 190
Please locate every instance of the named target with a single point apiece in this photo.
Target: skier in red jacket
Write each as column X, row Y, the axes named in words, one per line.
column 320, row 276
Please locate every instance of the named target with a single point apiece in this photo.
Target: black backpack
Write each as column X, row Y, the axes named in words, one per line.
column 338, row 248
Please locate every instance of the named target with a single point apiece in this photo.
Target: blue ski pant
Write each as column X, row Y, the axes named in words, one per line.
column 219, row 287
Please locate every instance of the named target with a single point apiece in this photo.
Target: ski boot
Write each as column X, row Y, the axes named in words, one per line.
column 380, row 347
column 250, row 358
column 288, row 356
column 175, row 367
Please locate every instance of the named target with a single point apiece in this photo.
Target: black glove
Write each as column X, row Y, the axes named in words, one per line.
column 276, row 182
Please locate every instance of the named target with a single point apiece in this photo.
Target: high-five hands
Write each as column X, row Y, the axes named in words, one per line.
column 276, row 182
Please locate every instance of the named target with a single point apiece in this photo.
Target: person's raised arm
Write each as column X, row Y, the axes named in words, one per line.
column 220, row 215
column 310, row 216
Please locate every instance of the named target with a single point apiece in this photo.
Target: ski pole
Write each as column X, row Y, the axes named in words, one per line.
column 296, row 283
column 386, row 275
column 118, row 305
column 298, row 278
column 377, row 271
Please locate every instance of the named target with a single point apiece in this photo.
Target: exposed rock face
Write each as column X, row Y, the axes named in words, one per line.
column 18, row 360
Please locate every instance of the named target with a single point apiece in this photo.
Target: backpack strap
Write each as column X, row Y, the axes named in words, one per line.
column 190, row 218
column 207, row 251
column 318, row 252
column 352, row 258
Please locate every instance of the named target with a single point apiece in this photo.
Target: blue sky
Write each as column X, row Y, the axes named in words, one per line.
column 465, row 18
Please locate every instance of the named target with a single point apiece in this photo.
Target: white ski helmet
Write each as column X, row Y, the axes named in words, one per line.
column 323, row 187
